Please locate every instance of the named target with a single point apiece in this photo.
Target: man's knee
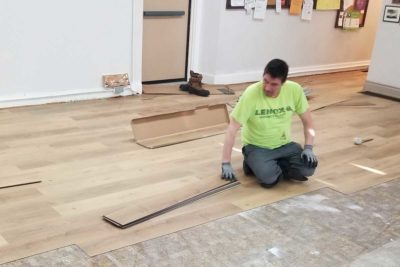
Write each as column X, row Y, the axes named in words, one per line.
column 267, row 178
column 306, row 171
column 270, row 184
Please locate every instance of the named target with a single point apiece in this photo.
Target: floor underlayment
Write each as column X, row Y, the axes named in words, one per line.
column 89, row 165
column 321, row 228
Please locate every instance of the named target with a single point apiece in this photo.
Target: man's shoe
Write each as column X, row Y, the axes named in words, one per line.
column 195, row 79
column 199, row 92
column 193, row 90
column 196, row 75
column 246, row 169
column 184, row 87
column 300, row 178
column 195, row 83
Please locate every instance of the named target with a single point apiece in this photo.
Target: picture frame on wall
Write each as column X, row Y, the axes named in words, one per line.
column 351, row 10
column 391, row 14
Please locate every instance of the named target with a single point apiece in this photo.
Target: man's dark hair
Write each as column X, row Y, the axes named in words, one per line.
column 277, row 68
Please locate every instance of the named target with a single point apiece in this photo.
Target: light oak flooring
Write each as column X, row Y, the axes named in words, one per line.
column 89, row 165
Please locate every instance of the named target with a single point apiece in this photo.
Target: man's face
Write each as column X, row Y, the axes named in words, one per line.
column 272, row 86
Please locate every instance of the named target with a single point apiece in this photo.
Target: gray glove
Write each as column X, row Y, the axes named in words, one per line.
column 227, row 172
column 309, row 157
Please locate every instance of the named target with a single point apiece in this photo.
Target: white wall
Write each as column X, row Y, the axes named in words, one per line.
column 58, row 50
column 55, row 50
column 385, row 61
column 235, row 48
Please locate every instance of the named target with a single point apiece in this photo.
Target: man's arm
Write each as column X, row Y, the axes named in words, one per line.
column 308, row 127
column 309, row 133
column 227, row 170
column 229, row 140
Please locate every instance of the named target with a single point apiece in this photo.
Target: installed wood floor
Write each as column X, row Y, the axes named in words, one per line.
column 89, row 165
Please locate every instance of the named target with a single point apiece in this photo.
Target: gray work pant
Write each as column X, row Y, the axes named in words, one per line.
column 271, row 165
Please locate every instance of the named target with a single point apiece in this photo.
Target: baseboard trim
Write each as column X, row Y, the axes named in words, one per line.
column 232, row 78
column 64, row 96
column 382, row 89
column 251, row 76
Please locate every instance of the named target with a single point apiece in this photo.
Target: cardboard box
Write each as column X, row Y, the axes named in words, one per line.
column 177, row 127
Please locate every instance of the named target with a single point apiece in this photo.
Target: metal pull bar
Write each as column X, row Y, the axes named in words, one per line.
column 163, row 13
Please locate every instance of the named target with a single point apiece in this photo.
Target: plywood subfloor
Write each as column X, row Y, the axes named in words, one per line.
column 89, row 165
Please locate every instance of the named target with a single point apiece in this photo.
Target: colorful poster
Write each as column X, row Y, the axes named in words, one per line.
column 295, row 7
column 352, row 15
column 328, row 4
column 360, row 5
column 351, row 21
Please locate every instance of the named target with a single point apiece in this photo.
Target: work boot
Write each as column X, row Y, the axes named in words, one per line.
column 297, row 178
column 195, row 91
column 196, row 75
column 184, row 87
column 195, row 79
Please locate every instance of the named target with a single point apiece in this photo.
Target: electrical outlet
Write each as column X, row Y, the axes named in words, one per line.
column 119, row 90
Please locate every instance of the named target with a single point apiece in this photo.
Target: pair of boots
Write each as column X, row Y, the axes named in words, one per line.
column 194, row 86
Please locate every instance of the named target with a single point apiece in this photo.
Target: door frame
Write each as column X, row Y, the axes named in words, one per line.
column 137, row 41
column 137, row 46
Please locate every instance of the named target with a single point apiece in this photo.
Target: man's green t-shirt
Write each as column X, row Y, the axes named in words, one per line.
column 266, row 121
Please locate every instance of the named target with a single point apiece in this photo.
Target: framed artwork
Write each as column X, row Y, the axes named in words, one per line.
column 230, row 4
column 352, row 14
column 391, row 14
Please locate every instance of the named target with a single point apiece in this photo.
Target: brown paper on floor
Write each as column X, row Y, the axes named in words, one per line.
column 162, row 89
column 172, row 128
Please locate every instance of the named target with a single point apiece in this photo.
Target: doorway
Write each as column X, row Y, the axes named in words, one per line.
column 166, row 27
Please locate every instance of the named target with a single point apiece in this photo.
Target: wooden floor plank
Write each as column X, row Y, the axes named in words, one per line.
column 133, row 213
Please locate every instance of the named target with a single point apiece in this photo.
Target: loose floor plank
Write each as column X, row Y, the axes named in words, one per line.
column 19, row 184
column 177, row 127
column 130, row 216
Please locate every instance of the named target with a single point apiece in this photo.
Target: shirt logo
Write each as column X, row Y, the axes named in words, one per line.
column 273, row 112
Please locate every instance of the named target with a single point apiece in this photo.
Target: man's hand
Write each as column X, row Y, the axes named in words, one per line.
column 227, row 172
column 309, row 157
